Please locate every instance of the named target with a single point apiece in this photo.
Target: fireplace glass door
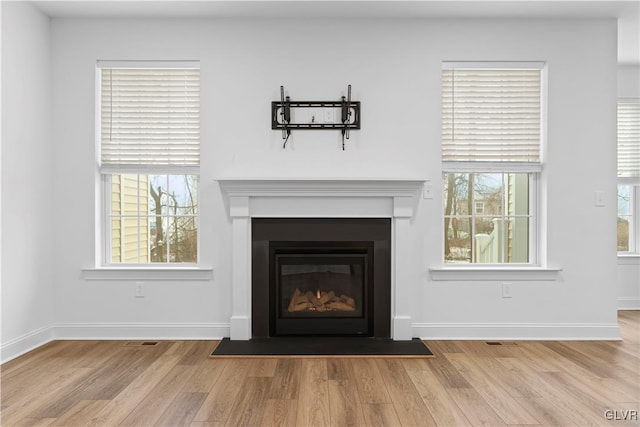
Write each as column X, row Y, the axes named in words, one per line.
column 321, row 293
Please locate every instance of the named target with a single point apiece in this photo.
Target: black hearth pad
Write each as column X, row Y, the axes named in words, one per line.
column 322, row 347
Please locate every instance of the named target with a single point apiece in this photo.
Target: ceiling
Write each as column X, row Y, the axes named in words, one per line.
column 627, row 12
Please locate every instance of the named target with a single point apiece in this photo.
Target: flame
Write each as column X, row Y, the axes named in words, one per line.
column 318, row 294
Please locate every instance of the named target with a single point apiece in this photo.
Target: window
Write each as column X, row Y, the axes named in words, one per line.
column 628, row 227
column 491, row 152
column 149, row 162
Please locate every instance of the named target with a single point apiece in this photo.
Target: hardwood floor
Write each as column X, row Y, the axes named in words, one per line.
column 469, row 383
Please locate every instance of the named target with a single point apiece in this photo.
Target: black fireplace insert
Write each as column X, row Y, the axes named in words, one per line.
column 321, row 288
column 321, row 277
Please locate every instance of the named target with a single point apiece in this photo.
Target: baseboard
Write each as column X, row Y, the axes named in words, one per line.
column 517, row 331
column 628, row 303
column 141, row 331
column 24, row 344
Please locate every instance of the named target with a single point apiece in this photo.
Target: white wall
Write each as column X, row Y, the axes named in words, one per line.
column 394, row 67
column 27, row 187
column 629, row 267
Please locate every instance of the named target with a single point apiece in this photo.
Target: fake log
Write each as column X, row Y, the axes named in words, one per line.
column 327, row 301
column 340, row 306
column 294, row 300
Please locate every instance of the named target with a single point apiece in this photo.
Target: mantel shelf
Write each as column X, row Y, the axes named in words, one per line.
column 322, row 187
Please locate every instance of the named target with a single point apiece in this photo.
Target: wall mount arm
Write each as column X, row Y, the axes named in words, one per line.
column 287, row 115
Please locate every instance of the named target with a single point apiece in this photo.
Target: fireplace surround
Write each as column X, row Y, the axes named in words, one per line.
column 251, row 199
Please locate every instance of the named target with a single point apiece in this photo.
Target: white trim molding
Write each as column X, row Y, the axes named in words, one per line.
column 140, row 331
column 305, row 187
column 517, row 331
column 628, row 259
column 494, row 273
column 394, row 198
column 628, row 303
column 25, row 343
column 148, row 273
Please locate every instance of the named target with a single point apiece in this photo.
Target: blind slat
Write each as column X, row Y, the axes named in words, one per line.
column 150, row 118
column 491, row 115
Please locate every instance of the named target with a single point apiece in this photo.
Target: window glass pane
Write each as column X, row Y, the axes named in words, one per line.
column 488, row 246
column 499, row 212
column 456, row 190
column 517, row 193
column 624, row 200
column 183, row 239
column 116, row 240
column 159, row 243
column 488, row 189
column 144, row 224
column 517, row 240
column 623, row 233
column 457, row 240
column 129, row 240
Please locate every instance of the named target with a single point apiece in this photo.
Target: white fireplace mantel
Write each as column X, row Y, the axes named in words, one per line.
column 328, row 198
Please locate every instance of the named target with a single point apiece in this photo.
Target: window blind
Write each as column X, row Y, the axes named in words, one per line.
column 150, row 120
column 491, row 115
column 629, row 140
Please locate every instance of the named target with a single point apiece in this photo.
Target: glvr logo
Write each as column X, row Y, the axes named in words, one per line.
column 621, row 414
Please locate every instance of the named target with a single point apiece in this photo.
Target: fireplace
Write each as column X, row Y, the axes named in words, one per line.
column 321, row 276
column 253, row 200
column 321, row 288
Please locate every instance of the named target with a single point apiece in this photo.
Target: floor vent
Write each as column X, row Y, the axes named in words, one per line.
column 500, row 343
column 141, row 343
column 493, row 343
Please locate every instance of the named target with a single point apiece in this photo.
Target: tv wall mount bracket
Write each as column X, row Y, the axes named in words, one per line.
column 287, row 115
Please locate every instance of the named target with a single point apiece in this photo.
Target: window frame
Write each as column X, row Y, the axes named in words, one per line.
column 634, row 214
column 537, row 262
column 104, row 268
column 634, row 184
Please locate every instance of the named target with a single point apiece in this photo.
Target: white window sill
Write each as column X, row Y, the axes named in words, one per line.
column 148, row 273
column 493, row 273
column 628, row 259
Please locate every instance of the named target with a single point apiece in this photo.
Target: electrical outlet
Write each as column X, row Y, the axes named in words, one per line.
column 139, row 292
column 506, row 290
column 599, row 196
column 427, row 192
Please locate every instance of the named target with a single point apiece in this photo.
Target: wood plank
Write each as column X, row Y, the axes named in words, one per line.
column 125, row 402
column 344, row 400
column 206, row 376
column 279, row 412
column 249, row 404
column 441, row 406
column 371, row 388
column 286, row 380
column 545, row 411
column 80, row 413
column 314, row 394
column 182, row 410
column 158, row 400
column 34, row 422
column 410, row 408
column 198, row 351
column 502, row 403
column 380, row 414
column 475, row 408
column 263, row 367
column 217, row 406
column 29, row 403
